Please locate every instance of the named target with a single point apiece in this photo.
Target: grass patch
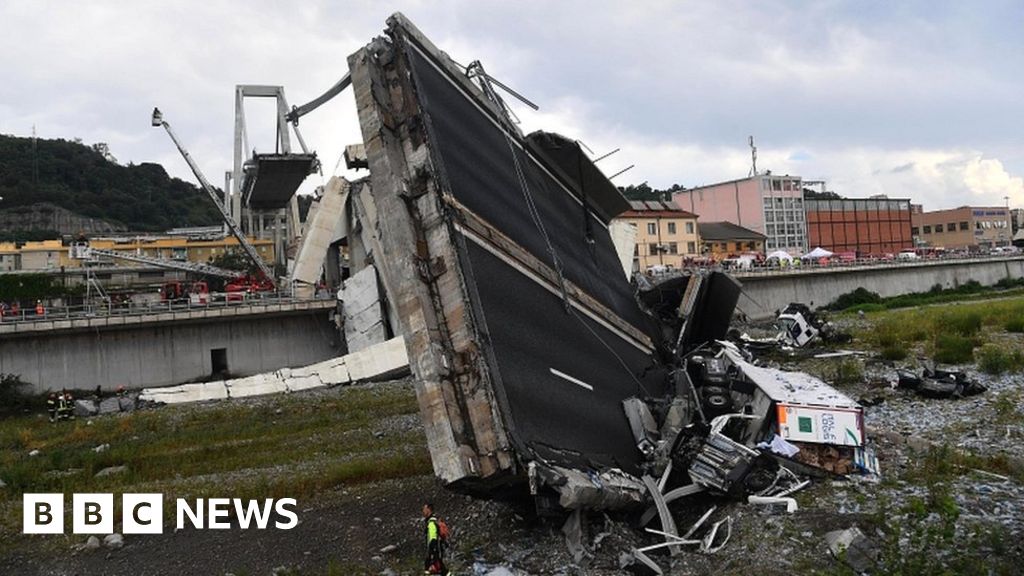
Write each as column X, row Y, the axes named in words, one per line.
column 953, row 349
column 291, row 446
column 994, row 359
column 949, row 333
column 1014, row 325
column 862, row 299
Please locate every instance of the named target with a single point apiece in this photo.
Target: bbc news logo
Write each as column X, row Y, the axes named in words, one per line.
column 143, row 513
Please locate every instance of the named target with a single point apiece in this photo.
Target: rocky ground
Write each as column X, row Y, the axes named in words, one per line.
column 949, row 501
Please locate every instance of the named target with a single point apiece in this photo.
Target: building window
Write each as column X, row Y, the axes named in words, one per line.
column 927, row 229
column 652, row 228
column 689, row 229
column 951, row 227
column 652, row 248
column 938, row 228
column 691, row 247
column 915, row 231
column 725, row 246
column 671, row 227
column 673, row 248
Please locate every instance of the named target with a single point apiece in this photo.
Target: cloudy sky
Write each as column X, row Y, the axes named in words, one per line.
column 909, row 99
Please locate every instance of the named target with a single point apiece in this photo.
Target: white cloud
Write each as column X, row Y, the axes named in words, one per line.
column 835, row 90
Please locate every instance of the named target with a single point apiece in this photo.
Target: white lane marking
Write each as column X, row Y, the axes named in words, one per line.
column 571, row 379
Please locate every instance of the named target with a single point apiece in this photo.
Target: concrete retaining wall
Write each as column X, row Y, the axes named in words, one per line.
column 165, row 354
column 766, row 293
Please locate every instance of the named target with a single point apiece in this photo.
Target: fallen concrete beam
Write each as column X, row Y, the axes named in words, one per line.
column 379, row 362
column 523, row 337
column 185, row 393
column 318, row 236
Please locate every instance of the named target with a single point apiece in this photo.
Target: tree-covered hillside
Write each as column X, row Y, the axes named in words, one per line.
column 88, row 180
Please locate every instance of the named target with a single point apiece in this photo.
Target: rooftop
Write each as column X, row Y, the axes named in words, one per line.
column 648, row 208
column 719, row 231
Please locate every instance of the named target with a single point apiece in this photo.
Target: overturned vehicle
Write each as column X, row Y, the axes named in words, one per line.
column 539, row 367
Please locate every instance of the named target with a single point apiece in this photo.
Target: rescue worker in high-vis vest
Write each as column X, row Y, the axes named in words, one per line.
column 434, row 563
column 65, row 406
column 51, row 406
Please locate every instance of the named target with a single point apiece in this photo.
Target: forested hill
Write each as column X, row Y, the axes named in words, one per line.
column 88, row 181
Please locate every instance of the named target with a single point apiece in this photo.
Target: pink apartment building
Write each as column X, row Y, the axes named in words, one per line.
column 766, row 203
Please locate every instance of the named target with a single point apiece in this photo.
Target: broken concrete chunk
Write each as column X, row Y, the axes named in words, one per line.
column 254, row 386
column 109, row 405
column 854, row 548
column 379, row 362
column 111, row 470
column 113, row 541
column 85, row 408
column 185, row 393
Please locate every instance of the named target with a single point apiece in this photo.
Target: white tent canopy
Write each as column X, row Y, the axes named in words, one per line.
column 816, row 254
column 781, row 255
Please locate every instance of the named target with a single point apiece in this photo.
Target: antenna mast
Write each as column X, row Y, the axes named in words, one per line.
column 753, row 156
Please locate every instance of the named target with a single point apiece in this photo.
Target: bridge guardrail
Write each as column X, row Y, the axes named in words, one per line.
column 862, row 264
column 111, row 310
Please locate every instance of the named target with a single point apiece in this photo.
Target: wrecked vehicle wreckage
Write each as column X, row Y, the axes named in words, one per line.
column 539, row 368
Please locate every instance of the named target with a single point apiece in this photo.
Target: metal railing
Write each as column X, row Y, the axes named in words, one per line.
column 860, row 263
column 127, row 308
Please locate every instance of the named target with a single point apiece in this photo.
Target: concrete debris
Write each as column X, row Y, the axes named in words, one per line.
column 113, row 541
column 92, row 543
column 85, row 408
column 318, row 235
column 789, row 503
column 101, row 448
column 379, row 362
column 362, row 309
column 110, row 470
column 388, row 549
column 109, row 406
column 852, row 547
column 573, row 532
column 34, row 453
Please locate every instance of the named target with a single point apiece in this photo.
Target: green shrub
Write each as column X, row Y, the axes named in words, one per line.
column 859, row 296
column 1014, row 324
column 952, row 348
column 993, row 360
column 867, row 308
column 960, row 322
column 897, row 351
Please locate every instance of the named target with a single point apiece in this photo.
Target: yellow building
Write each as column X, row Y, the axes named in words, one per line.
column 44, row 255
column 51, row 254
column 665, row 234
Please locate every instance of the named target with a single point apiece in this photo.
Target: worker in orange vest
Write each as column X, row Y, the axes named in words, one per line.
column 40, row 311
